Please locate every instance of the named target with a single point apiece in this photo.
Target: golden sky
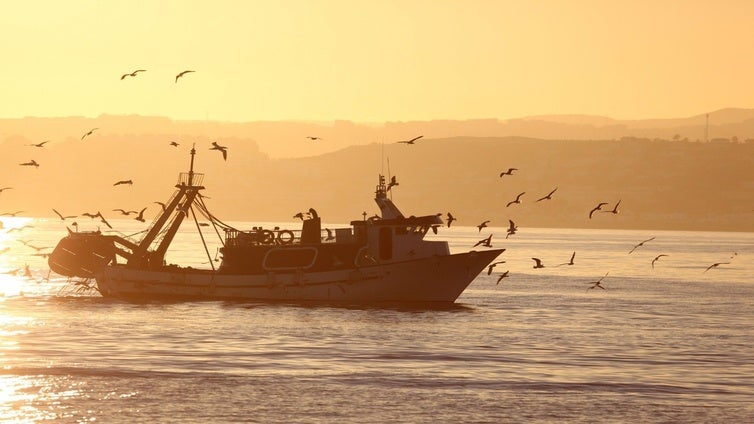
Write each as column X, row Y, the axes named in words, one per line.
column 376, row 60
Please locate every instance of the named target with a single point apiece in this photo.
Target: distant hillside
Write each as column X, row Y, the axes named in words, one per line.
column 290, row 139
column 661, row 184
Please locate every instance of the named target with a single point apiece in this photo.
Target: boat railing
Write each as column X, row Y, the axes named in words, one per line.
column 191, row 179
column 277, row 236
column 261, row 236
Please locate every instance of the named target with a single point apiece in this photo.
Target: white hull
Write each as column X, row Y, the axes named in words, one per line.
column 432, row 279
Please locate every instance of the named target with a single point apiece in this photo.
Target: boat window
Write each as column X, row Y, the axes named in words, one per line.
column 386, row 243
column 290, row 258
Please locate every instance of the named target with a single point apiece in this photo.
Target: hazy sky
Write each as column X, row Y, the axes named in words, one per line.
column 376, row 60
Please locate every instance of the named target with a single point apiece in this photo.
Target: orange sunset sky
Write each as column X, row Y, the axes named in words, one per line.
column 375, row 61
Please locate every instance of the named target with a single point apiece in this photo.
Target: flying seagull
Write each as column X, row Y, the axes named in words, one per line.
column 124, row 212
column 30, row 163
column 103, row 220
column 657, row 258
column 174, row 143
column 538, row 263
column 492, row 265
column 42, row 144
column 140, row 217
column 450, row 219
column 223, row 149
column 482, row 225
column 508, row 172
column 485, row 242
column 132, row 74
column 411, row 141
column 614, row 210
column 393, row 182
column 88, row 133
column 518, row 199
column 548, row 197
column 5, row 188
column 715, row 265
column 161, row 205
column 640, row 244
column 314, row 138
column 182, row 74
column 512, row 228
column 595, row 284
column 569, row 262
column 596, row 208
column 129, row 182
column 500, row 278
column 62, row 218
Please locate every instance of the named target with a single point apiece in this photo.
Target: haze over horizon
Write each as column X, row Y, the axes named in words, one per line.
column 375, row 61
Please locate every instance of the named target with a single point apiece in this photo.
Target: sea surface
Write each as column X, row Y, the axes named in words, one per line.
column 673, row 343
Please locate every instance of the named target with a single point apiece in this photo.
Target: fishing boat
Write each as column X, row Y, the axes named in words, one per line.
column 384, row 258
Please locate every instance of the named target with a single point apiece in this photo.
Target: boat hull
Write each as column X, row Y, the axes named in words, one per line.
column 432, row 279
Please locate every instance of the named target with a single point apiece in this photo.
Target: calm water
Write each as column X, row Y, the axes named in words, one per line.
column 669, row 344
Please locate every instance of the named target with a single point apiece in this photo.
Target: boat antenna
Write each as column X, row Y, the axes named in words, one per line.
column 382, row 152
column 191, row 168
column 388, row 176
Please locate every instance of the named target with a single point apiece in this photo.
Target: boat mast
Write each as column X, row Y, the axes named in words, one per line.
column 178, row 208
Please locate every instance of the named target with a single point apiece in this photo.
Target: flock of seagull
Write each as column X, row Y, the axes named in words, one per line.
column 538, row 262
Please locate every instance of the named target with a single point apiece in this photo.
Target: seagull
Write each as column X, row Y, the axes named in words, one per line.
column 37, row 248
column 174, row 143
column 482, row 225
column 182, row 74
column 392, row 183
column 715, row 265
column 657, row 258
column 5, row 188
column 42, row 144
column 451, row 218
column 329, row 235
column 640, row 244
column 91, row 215
column 512, row 228
column 162, row 205
column 485, row 242
column 223, row 149
column 503, row 275
column 614, row 210
column 508, row 172
column 63, row 218
column 492, row 265
column 141, row 215
column 538, row 263
column 548, row 197
column 314, row 138
column 299, row 215
column 124, row 212
column 596, row 208
column 569, row 262
column 518, row 199
column 132, row 74
column 19, row 228
column 411, row 141
column 313, row 213
column 30, row 163
column 595, row 284
column 129, row 182
column 89, row 133
column 104, row 221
